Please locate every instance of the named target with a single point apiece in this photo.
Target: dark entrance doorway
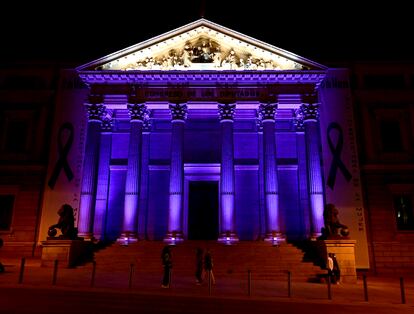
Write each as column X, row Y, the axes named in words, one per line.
column 203, row 210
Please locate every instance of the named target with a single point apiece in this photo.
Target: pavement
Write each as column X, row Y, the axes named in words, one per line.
column 77, row 291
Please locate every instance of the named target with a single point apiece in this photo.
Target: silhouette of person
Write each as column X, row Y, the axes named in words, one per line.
column 208, row 266
column 199, row 266
column 333, row 269
column 336, row 272
column 330, row 266
column 166, row 259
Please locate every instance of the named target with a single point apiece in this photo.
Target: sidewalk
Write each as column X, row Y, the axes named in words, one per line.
column 383, row 291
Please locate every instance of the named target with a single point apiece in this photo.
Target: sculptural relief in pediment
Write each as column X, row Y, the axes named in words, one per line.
column 203, row 53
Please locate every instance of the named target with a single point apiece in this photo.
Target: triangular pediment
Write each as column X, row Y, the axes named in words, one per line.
column 202, row 45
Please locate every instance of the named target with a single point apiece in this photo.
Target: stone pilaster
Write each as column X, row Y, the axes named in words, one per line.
column 175, row 217
column 227, row 228
column 95, row 113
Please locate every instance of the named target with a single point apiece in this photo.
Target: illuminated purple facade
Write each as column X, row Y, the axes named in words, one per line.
column 222, row 157
column 203, row 133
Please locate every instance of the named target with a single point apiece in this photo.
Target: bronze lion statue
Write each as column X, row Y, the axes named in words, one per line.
column 66, row 224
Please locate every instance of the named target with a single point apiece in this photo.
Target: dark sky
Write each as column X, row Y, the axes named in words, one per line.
column 82, row 32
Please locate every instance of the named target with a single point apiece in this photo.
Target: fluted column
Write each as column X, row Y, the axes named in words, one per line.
column 227, row 228
column 310, row 112
column 143, row 194
column 302, row 171
column 101, row 204
column 175, row 216
column 137, row 113
column 271, row 189
column 95, row 112
column 262, row 209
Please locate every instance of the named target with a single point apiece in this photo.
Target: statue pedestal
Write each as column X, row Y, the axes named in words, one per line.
column 345, row 255
column 67, row 252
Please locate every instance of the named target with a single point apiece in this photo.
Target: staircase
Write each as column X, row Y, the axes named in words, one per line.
column 264, row 260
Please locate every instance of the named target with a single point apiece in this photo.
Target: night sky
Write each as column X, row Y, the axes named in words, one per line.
column 325, row 33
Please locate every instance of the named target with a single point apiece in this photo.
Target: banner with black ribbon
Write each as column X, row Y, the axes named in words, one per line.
column 63, row 151
column 336, row 151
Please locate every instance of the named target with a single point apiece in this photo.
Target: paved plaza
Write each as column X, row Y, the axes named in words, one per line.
column 123, row 292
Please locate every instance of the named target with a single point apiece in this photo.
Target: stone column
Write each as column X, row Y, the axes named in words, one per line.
column 310, row 112
column 262, row 209
column 137, row 113
column 175, row 217
column 90, row 168
column 227, row 229
column 302, row 171
column 101, row 204
column 273, row 229
column 143, row 194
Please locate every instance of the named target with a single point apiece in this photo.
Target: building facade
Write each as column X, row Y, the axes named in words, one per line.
column 206, row 133
column 383, row 96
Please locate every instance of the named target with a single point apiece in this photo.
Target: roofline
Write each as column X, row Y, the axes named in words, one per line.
column 187, row 27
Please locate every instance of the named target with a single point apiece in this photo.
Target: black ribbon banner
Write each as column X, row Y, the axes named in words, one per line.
column 63, row 151
column 336, row 155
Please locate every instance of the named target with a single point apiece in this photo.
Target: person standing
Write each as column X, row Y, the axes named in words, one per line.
column 166, row 259
column 208, row 266
column 336, row 272
column 330, row 267
column 199, row 266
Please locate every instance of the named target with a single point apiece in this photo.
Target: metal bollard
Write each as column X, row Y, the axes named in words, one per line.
column 131, row 272
column 22, row 263
column 402, row 290
column 249, row 282
column 209, row 282
column 93, row 274
column 55, row 270
column 364, row 278
column 289, row 284
column 170, row 279
column 329, row 287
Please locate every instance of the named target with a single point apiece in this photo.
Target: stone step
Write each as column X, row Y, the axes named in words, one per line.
column 263, row 259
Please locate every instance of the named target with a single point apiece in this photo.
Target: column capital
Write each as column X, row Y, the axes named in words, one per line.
column 146, row 125
column 298, row 120
column 107, row 123
column 95, row 112
column 178, row 111
column 267, row 111
column 259, row 122
column 310, row 112
column 137, row 112
column 226, row 111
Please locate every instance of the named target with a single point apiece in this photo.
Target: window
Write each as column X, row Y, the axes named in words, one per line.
column 390, row 133
column 404, row 212
column 6, row 211
column 384, row 81
column 17, row 139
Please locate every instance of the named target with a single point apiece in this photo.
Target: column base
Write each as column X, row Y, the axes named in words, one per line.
column 275, row 238
column 87, row 236
column 127, row 238
column 315, row 236
column 173, row 238
column 228, row 238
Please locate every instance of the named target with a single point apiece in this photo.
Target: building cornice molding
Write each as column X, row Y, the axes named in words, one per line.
column 194, row 77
